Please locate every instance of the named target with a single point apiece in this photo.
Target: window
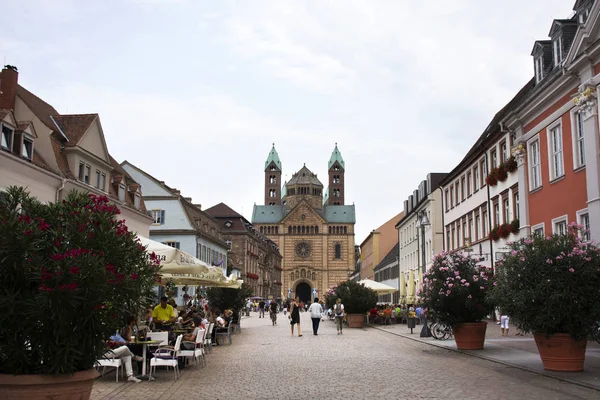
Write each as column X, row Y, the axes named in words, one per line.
column 558, row 51
column 556, row 153
column 494, row 157
column 583, row 15
column 538, row 230
column 503, row 151
column 27, row 150
column 159, row 217
column 476, row 178
column 483, row 173
column 451, row 196
column 560, row 225
column 471, row 234
column 477, row 222
column 484, row 223
column 465, row 234
column 584, row 220
column 137, row 201
column 496, row 213
column 458, row 235
column 336, row 179
column 102, row 182
column 97, row 179
column 272, row 193
column 84, row 172
column 456, row 188
column 462, row 188
column 447, row 238
column 7, row 138
column 338, row 251
column 535, row 168
column 447, row 200
column 172, row 244
column 122, row 193
column 272, row 179
column 336, row 192
column 469, row 183
column 516, row 205
column 579, row 141
column 506, row 210
column 539, row 69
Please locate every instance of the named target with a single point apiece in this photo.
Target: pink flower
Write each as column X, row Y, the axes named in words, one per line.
column 74, row 270
column 134, row 277
column 549, row 261
column 571, row 270
column 467, row 284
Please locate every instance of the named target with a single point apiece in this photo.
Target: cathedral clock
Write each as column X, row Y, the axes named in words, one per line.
column 303, row 249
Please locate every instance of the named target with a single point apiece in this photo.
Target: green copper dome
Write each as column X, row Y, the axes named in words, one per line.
column 336, row 156
column 273, row 157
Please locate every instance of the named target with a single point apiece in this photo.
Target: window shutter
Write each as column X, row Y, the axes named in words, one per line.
column 162, row 217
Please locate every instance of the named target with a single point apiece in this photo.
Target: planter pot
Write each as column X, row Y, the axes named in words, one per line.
column 560, row 352
column 469, row 335
column 41, row 387
column 356, row 320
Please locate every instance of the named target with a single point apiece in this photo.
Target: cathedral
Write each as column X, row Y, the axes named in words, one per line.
column 312, row 226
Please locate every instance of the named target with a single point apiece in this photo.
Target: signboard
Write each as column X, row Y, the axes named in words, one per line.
column 270, row 297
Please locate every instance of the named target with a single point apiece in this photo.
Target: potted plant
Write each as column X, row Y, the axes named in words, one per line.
column 494, row 234
column 491, row 179
column 357, row 300
column 549, row 286
column 501, row 173
column 515, row 226
column 70, row 274
column 511, row 164
column 455, row 291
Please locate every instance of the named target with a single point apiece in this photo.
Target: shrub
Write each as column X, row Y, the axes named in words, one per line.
column 455, row 289
column 70, row 274
column 356, row 297
column 510, row 165
column 550, row 284
column 227, row 298
column 515, row 226
column 491, row 179
column 493, row 235
column 501, row 173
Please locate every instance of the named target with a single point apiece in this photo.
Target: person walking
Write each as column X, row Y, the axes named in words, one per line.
column 261, row 309
column 295, row 316
column 338, row 310
column 273, row 312
column 316, row 312
column 504, row 323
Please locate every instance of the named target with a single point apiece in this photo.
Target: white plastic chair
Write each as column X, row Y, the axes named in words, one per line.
column 111, row 363
column 162, row 336
column 198, row 350
column 166, row 356
column 208, row 338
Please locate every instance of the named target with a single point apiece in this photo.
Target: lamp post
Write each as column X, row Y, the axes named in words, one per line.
column 423, row 221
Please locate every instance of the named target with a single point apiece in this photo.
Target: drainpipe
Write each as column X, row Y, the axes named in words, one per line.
column 60, row 189
column 444, row 244
column 487, row 167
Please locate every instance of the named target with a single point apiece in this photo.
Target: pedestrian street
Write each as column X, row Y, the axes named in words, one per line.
column 266, row 362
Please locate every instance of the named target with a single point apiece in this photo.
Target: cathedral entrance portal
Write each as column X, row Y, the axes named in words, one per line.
column 303, row 292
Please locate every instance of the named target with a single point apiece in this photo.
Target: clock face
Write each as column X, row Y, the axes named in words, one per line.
column 303, row 249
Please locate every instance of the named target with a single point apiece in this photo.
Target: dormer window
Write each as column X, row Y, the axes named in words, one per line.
column 122, row 193
column 583, row 15
column 7, row 138
column 84, row 172
column 27, row 149
column 137, row 200
column 557, row 45
column 539, row 69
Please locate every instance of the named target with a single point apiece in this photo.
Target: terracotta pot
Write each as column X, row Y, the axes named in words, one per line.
column 560, row 352
column 469, row 335
column 356, row 320
column 42, row 387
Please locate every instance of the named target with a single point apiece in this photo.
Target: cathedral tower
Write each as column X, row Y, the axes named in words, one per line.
column 336, row 167
column 273, row 179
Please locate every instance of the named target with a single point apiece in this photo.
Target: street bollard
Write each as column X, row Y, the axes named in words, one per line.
column 411, row 322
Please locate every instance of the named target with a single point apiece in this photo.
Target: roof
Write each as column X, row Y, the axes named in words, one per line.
column 267, row 214
column 336, row 156
column 340, row 214
column 39, row 107
column 273, row 158
column 557, row 23
column 74, row 126
column 389, row 258
column 4, row 113
column 283, row 190
column 304, row 177
column 223, row 210
column 325, row 196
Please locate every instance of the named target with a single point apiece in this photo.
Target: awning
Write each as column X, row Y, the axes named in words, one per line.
column 402, row 299
column 378, row 287
column 410, row 295
column 186, row 269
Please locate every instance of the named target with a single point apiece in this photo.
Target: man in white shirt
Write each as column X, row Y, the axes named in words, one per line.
column 316, row 311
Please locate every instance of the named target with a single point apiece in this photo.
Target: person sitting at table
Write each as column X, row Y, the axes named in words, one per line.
column 163, row 314
column 136, row 348
column 373, row 314
column 118, row 349
column 220, row 326
column 227, row 316
column 189, row 339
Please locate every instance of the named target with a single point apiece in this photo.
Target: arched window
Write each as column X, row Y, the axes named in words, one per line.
column 303, row 274
column 337, row 230
column 314, row 276
column 261, row 229
column 295, row 231
column 316, row 229
column 330, row 230
column 268, row 230
column 338, row 251
column 289, row 230
column 303, row 230
column 276, row 230
column 345, row 229
column 312, row 230
column 291, row 276
column 297, row 274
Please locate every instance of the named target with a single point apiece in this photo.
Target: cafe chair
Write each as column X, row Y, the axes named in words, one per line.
column 198, row 351
column 166, row 356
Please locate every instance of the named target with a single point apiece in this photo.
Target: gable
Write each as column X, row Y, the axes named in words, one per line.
column 150, row 186
column 93, row 141
column 8, row 117
column 303, row 214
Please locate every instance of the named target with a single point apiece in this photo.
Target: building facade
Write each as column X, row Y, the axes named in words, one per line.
column 312, row 227
column 51, row 154
column 253, row 253
column 376, row 245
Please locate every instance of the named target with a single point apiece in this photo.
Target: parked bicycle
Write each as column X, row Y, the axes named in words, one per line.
column 440, row 331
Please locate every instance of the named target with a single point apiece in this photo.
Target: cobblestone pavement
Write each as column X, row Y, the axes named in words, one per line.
column 266, row 362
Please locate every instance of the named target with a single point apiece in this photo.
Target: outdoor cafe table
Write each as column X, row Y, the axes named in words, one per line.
column 146, row 343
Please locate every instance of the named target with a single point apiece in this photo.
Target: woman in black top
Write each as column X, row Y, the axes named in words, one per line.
column 295, row 316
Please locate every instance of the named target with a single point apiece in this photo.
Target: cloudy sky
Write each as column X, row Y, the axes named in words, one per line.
column 194, row 92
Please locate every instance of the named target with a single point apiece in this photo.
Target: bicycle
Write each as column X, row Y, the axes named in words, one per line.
column 440, row 331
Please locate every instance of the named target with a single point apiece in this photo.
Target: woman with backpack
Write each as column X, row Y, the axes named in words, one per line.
column 338, row 311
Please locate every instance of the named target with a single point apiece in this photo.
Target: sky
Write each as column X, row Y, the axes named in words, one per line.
column 195, row 92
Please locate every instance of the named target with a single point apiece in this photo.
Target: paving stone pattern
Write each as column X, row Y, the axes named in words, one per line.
column 266, row 362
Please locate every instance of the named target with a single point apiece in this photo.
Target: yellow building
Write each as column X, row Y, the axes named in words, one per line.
column 313, row 227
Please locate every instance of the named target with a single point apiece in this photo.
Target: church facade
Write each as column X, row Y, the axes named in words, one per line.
column 311, row 225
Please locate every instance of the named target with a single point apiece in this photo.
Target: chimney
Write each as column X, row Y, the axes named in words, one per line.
column 9, row 78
